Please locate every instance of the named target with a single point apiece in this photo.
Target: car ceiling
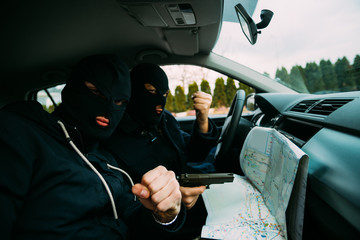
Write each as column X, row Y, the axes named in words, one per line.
column 41, row 36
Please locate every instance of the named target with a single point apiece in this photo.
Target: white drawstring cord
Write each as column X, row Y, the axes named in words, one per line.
column 125, row 173
column 92, row 167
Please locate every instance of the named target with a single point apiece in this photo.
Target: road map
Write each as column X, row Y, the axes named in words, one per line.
column 254, row 206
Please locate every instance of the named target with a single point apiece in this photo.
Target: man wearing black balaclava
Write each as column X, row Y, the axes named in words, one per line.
column 56, row 183
column 94, row 99
column 149, row 136
column 149, row 91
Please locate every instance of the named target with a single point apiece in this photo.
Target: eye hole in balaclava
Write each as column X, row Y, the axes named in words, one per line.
column 95, row 96
column 151, row 89
column 147, row 103
column 95, row 91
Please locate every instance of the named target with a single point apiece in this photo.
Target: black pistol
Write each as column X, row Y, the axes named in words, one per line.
column 203, row 179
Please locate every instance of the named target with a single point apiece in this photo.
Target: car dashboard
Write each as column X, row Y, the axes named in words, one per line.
column 327, row 128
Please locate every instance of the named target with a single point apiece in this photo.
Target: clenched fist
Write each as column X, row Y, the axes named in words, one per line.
column 159, row 191
column 202, row 103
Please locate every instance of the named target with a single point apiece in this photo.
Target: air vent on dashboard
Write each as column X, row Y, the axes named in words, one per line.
column 328, row 106
column 320, row 106
column 303, row 106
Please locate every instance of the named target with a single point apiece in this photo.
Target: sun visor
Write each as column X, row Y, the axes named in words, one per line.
column 185, row 28
column 147, row 15
column 183, row 41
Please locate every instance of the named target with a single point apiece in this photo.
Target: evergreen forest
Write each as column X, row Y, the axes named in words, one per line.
column 318, row 78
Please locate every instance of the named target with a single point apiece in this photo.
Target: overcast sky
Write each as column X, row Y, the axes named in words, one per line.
column 300, row 32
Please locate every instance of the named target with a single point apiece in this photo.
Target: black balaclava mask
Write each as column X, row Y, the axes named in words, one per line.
column 142, row 105
column 81, row 107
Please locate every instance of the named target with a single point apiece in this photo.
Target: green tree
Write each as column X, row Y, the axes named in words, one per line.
column 205, row 86
column 283, row 75
column 350, row 84
column 180, row 99
column 219, row 98
column 328, row 75
column 49, row 109
column 266, row 74
column 230, row 90
column 297, row 79
column 246, row 88
column 344, row 75
column 340, row 70
column 356, row 71
column 193, row 88
column 313, row 77
column 170, row 103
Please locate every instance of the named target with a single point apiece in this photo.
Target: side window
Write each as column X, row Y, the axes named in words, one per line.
column 184, row 80
column 50, row 97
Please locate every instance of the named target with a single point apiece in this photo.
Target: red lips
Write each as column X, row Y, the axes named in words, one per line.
column 102, row 121
column 158, row 109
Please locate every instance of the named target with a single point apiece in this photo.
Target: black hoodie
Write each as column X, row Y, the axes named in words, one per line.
column 145, row 139
column 48, row 192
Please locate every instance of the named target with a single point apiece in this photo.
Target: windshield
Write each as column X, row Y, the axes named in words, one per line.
column 309, row 46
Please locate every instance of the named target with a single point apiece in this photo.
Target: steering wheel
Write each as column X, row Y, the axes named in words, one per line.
column 230, row 126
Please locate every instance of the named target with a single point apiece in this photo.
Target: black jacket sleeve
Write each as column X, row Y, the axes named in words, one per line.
column 15, row 177
column 195, row 146
column 142, row 225
column 199, row 144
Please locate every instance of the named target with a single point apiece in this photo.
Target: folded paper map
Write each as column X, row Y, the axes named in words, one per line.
column 254, row 206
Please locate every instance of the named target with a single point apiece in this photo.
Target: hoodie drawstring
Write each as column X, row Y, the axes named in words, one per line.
column 95, row 170
column 125, row 173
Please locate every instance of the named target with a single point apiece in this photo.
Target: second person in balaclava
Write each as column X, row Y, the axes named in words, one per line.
column 149, row 136
column 149, row 92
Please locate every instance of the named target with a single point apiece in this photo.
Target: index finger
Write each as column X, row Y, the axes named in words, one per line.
column 200, row 94
column 151, row 175
column 192, row 191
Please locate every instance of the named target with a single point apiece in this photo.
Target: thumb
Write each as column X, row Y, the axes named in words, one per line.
column 143, row 194
column 140, row 191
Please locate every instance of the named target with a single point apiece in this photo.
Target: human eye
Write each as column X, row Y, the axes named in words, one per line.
column 120, row 102
column 150, row 88
column 93, row 89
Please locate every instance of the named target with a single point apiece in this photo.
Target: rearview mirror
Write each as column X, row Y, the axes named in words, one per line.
column 248, row 26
